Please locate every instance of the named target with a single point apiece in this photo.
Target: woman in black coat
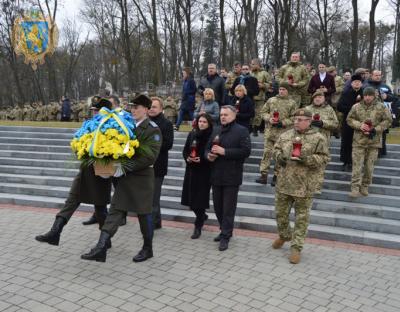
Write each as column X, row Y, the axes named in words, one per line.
column 196, row 184
column 244, row 106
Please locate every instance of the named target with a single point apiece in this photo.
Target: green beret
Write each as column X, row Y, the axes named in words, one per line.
column 318, row 93
column 284, row 84
column 143, row 100
column 369, row 91
column 303, row 112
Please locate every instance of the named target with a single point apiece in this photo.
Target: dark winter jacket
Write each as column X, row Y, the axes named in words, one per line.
column 167, row 132
column 216, row 83
column 188, row 94
column 250, row 82
column 227, row 170
column 245, row 110
column 66, row 108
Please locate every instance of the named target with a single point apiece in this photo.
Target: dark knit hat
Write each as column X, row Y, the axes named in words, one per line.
column 356, row 77
column 98, row 103
column 143, row 100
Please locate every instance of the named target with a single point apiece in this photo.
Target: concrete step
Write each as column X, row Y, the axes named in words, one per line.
column 37, row 129
column 38, row 135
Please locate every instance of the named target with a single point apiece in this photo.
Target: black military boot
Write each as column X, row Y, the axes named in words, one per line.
column 146, row 227
column 255, row 131
column 99, row 252
column 273, row 181
column 101, row 215
column 91, row 220
column 52, row 237
column 262, row 179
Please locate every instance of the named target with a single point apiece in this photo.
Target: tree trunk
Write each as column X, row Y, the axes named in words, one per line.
column 372, row 33
column 354, row 36
column 396, row 49
column 223, row 34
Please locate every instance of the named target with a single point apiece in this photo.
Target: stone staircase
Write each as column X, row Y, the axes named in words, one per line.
column 37, row 168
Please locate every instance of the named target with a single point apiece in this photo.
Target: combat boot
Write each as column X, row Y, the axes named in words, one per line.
column 262, row 179
column 146, row 227
column 99, row 252
column 355, row 193
column 295, row 256
column 278, row 243
column 91, row 220
column 364, row 190
column 52, row 237
column 273, row 181
column 255, row 131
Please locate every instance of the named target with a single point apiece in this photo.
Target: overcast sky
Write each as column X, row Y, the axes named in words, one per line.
column 70, row 9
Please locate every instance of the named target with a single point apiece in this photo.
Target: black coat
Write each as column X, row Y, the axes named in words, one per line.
column 250, row 82
column 227, row 170
column 217, row 83
column 346, row 102
column 196, row 184
column 246, row 110
column 167, row 132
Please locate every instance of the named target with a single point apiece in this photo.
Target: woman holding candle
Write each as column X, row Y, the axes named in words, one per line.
column 244, row 106
column 196, row 184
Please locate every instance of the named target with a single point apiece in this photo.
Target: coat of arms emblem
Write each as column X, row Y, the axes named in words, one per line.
column 34, row 36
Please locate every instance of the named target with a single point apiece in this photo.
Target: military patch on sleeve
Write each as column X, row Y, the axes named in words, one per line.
column 156, row 137
column 153, row 124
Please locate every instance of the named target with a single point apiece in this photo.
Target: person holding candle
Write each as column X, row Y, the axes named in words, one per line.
column 244, row 106
column 278, row 114
column 301, row 152
column 196, row 183
column 325, row 121
column 369, row 119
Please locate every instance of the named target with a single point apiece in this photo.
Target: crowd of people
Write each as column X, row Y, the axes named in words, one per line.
column 298, row 113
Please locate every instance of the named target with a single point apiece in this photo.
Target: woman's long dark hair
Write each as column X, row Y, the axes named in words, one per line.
column 209, row 119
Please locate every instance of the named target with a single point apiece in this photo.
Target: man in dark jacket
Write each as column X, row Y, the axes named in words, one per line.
column 346, row 101
column 214, row 81
column 161, row 164
column 188, row 97
column 250, row 82
column 65, row 109
column 322, row 81
column 228, row 148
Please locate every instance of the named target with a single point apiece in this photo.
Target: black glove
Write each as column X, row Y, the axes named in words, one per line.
column 372, row 134
column 278, row 125
column 317, row 123
column 282, row 160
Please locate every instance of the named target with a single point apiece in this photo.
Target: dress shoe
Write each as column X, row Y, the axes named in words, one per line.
column 294, row 256
column 217, row 238
column 278, row 243
column 262, row 179
column 273, row 181
column 223, row 244
column 91, row 220
column 143, row 255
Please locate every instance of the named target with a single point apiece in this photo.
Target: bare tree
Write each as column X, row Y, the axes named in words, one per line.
column 372, row 33
column 354, row 36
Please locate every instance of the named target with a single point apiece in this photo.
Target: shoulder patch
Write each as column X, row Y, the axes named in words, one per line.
column 156, row 137
column 153, row 124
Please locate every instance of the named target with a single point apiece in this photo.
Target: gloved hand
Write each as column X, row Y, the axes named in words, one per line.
column 372, row 134
column 317, row 123
column 277, row 125
column 118, row 170
column 282, row 160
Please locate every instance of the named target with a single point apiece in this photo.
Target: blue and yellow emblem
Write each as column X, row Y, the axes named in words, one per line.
column 34, row 36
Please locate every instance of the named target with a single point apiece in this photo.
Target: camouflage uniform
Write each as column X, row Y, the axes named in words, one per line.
column 170, row 110
column 296, row 182
column 286, row 107
column 365, row 150
column 300, row 76
column 339, row 85
column 330, row 123
column 264, row 78
column 229, row 82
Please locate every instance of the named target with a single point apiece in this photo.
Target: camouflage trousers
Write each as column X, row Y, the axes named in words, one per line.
column 363, row 166
column 320, row 176
column 258, row 105
column 267, row 156
column 302, row 206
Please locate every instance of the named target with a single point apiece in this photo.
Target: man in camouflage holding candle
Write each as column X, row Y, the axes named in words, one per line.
column 325, row 121
column 277, row 113
column 301, row 152
column 369, row 119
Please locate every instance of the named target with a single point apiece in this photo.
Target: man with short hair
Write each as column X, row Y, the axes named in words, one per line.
column 250, row 82
column 300, row 152
column 228, row 148
column 369, row 119
column 322, row 81
column 214, row 81
column 161, row 164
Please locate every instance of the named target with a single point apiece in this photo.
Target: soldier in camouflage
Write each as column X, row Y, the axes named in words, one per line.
column 301, row 152
column 170, row 109
column 339, row 85
column 237, row 70
column 325, row 121
column 264, row 83
column 295, row 73
column 283, row 107
column 369, row 119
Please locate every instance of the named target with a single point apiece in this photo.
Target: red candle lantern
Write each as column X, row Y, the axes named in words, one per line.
column 290, row 78
column 368, row 122
column 237, row 104
column 193, row 149
column 296, row 152
column 275, row 116
column 216, row 141
column 316, row 117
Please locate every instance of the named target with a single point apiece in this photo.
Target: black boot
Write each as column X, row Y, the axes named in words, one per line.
column 273, row 181
column 196, row 233
column 146, row 227
column 91, row 220
column 255, row 131
column 223, row 244
column 99, row 252
column 52, row 237
column 262, row 179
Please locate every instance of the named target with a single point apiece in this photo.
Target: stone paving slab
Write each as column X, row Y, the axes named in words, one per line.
column 185, row 275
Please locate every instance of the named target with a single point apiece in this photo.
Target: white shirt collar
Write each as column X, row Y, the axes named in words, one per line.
column 139, row 122
column 322, row 76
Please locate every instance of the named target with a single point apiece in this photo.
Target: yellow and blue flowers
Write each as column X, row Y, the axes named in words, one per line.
column 110, row 135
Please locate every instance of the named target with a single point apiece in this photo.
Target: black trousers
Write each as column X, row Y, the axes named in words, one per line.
column 158, row 181
column 200, row 217
column 225, row 201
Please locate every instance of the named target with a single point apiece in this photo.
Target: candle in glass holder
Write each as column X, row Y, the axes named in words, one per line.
column 290, row 78
column 237, row 104
column 275, row 116
column 193, row 149
column 216, row 141
column 316, row 117
column 296, row 152
column 368, row 122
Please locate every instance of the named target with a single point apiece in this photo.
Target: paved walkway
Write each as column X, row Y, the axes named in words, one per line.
column 185, row 275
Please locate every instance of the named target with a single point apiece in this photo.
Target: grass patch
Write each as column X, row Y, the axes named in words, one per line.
column 394, row 136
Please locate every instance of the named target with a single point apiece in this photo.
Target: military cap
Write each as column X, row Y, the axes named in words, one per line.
column 356, row 77
column 98, row 103
column 303, row 112
column 284, row 84
column 318, row 93
column 369, row 91
column 141, row 99
column 331, row 69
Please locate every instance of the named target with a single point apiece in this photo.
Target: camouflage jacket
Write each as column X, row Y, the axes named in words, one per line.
column 378, row 114
column 230, row 80
column 300, row 77
column 328, row 117
column 339, row 85
column 265, row 79
column 286, row 108
column 298, row 177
